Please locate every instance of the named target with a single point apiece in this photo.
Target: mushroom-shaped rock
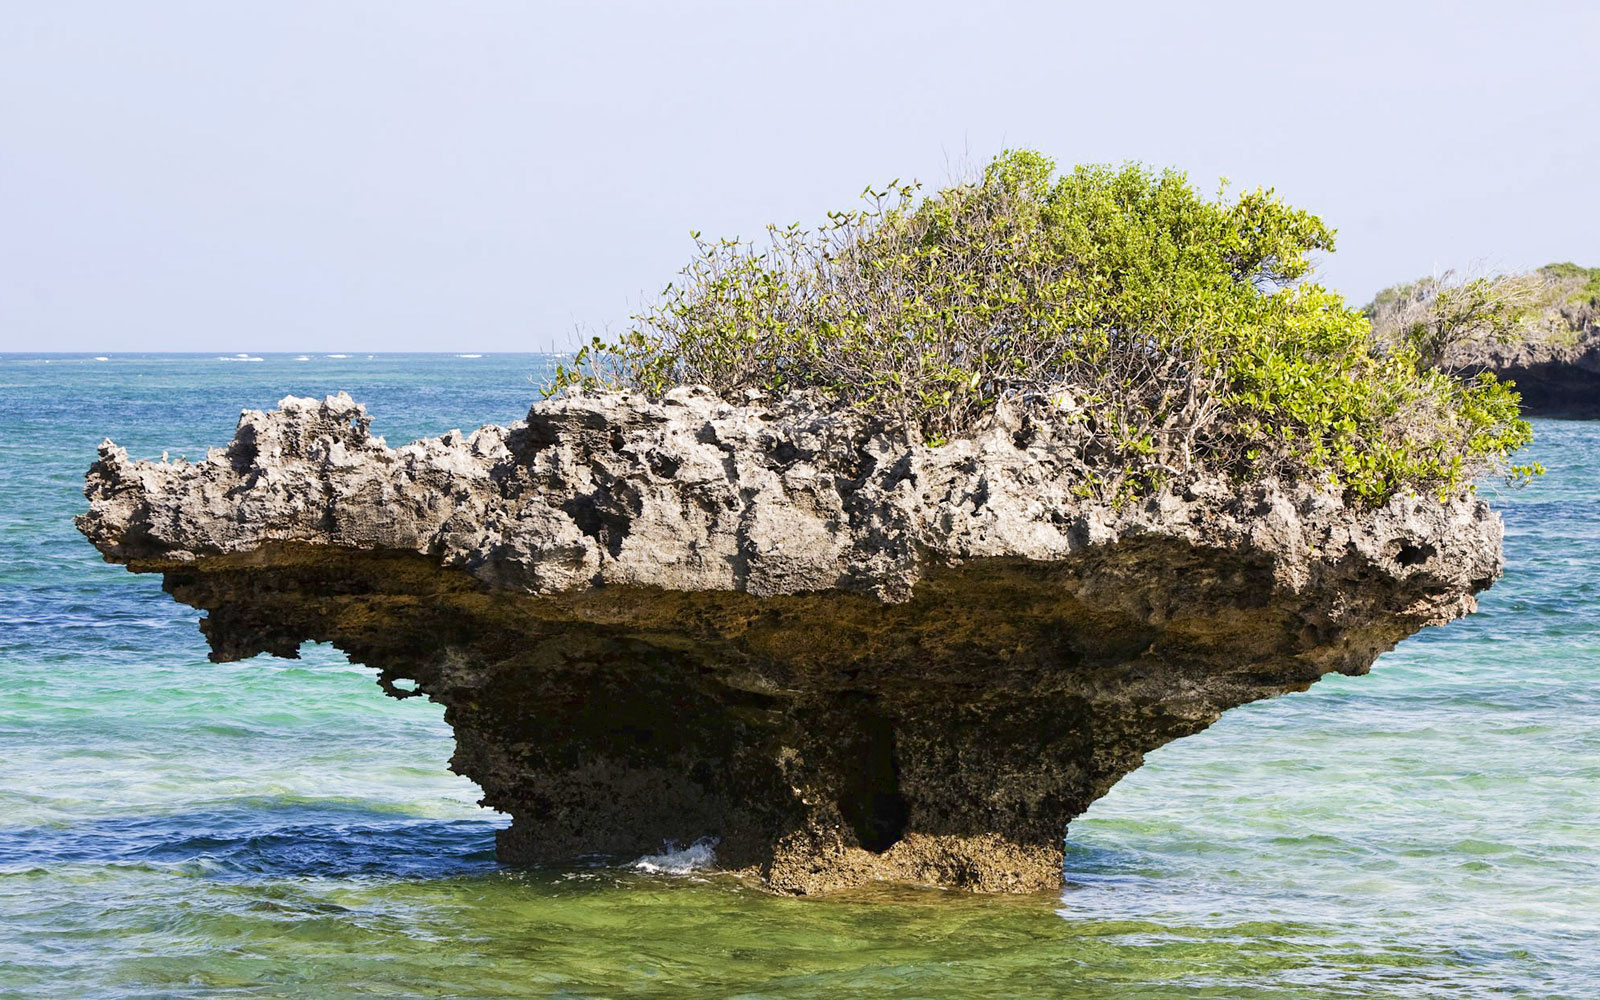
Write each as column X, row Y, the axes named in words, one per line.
column 791, row 626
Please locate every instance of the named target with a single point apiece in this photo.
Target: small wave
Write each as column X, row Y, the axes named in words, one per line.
column 674, row 860
column 341, row 841
column 240, row 357
column 101, row 357
column 469, row 355
column 303, row 357
column 337, row 355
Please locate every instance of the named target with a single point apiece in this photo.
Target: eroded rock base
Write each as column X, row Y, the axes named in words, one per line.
column 826, row 740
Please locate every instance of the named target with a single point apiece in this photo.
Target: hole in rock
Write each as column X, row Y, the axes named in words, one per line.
column 871, row 801
column 1414, row 555
column 596, row 516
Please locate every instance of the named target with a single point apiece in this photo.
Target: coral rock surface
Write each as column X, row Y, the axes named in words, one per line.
column 795, row 628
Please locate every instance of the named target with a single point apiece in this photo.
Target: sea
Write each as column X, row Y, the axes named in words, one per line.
column 174, row 828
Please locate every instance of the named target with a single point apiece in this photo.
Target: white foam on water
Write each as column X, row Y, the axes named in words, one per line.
column 240, row 357
column 675, row 860
column 303, row 357
column 469, row 355
column 101, row 357
column 338, row 355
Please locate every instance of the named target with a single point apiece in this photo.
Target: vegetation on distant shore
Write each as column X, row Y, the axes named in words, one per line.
column 1178, row 330
column 1574, row 284
column 1441, row 316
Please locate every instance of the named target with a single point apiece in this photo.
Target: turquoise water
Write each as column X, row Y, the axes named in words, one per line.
column 175, row 828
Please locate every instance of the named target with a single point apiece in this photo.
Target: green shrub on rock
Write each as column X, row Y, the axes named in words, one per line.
column 1447, row 318
column 1436, row 315
column 1178, row 330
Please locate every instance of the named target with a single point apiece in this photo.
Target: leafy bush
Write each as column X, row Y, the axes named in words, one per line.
column 1446, row 317
column 1433, row 316
column 1175, row 329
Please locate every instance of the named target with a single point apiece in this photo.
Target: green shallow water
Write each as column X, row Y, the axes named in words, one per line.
column 175, row 828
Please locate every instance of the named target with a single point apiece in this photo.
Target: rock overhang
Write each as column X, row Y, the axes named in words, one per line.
column 792, row 626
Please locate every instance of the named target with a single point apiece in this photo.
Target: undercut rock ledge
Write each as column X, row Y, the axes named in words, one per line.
column 794, row 628
column 1558, row 376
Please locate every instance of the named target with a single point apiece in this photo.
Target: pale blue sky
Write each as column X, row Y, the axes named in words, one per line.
column 476, row 175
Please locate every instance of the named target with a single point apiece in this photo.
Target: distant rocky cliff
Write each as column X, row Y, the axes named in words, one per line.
column 1558, row 377
column 1553, row 356
column 795, row 628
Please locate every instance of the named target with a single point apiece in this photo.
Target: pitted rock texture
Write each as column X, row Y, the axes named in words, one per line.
column 795, row 628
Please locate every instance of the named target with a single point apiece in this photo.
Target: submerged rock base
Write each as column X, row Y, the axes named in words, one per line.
column 846, row 656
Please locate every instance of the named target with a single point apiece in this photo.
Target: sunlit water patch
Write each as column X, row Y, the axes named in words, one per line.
column 175, row 828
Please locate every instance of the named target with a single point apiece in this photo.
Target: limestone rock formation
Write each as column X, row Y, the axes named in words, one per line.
column 845, row 654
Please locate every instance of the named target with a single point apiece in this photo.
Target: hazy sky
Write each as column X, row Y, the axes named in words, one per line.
column 474, row 175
